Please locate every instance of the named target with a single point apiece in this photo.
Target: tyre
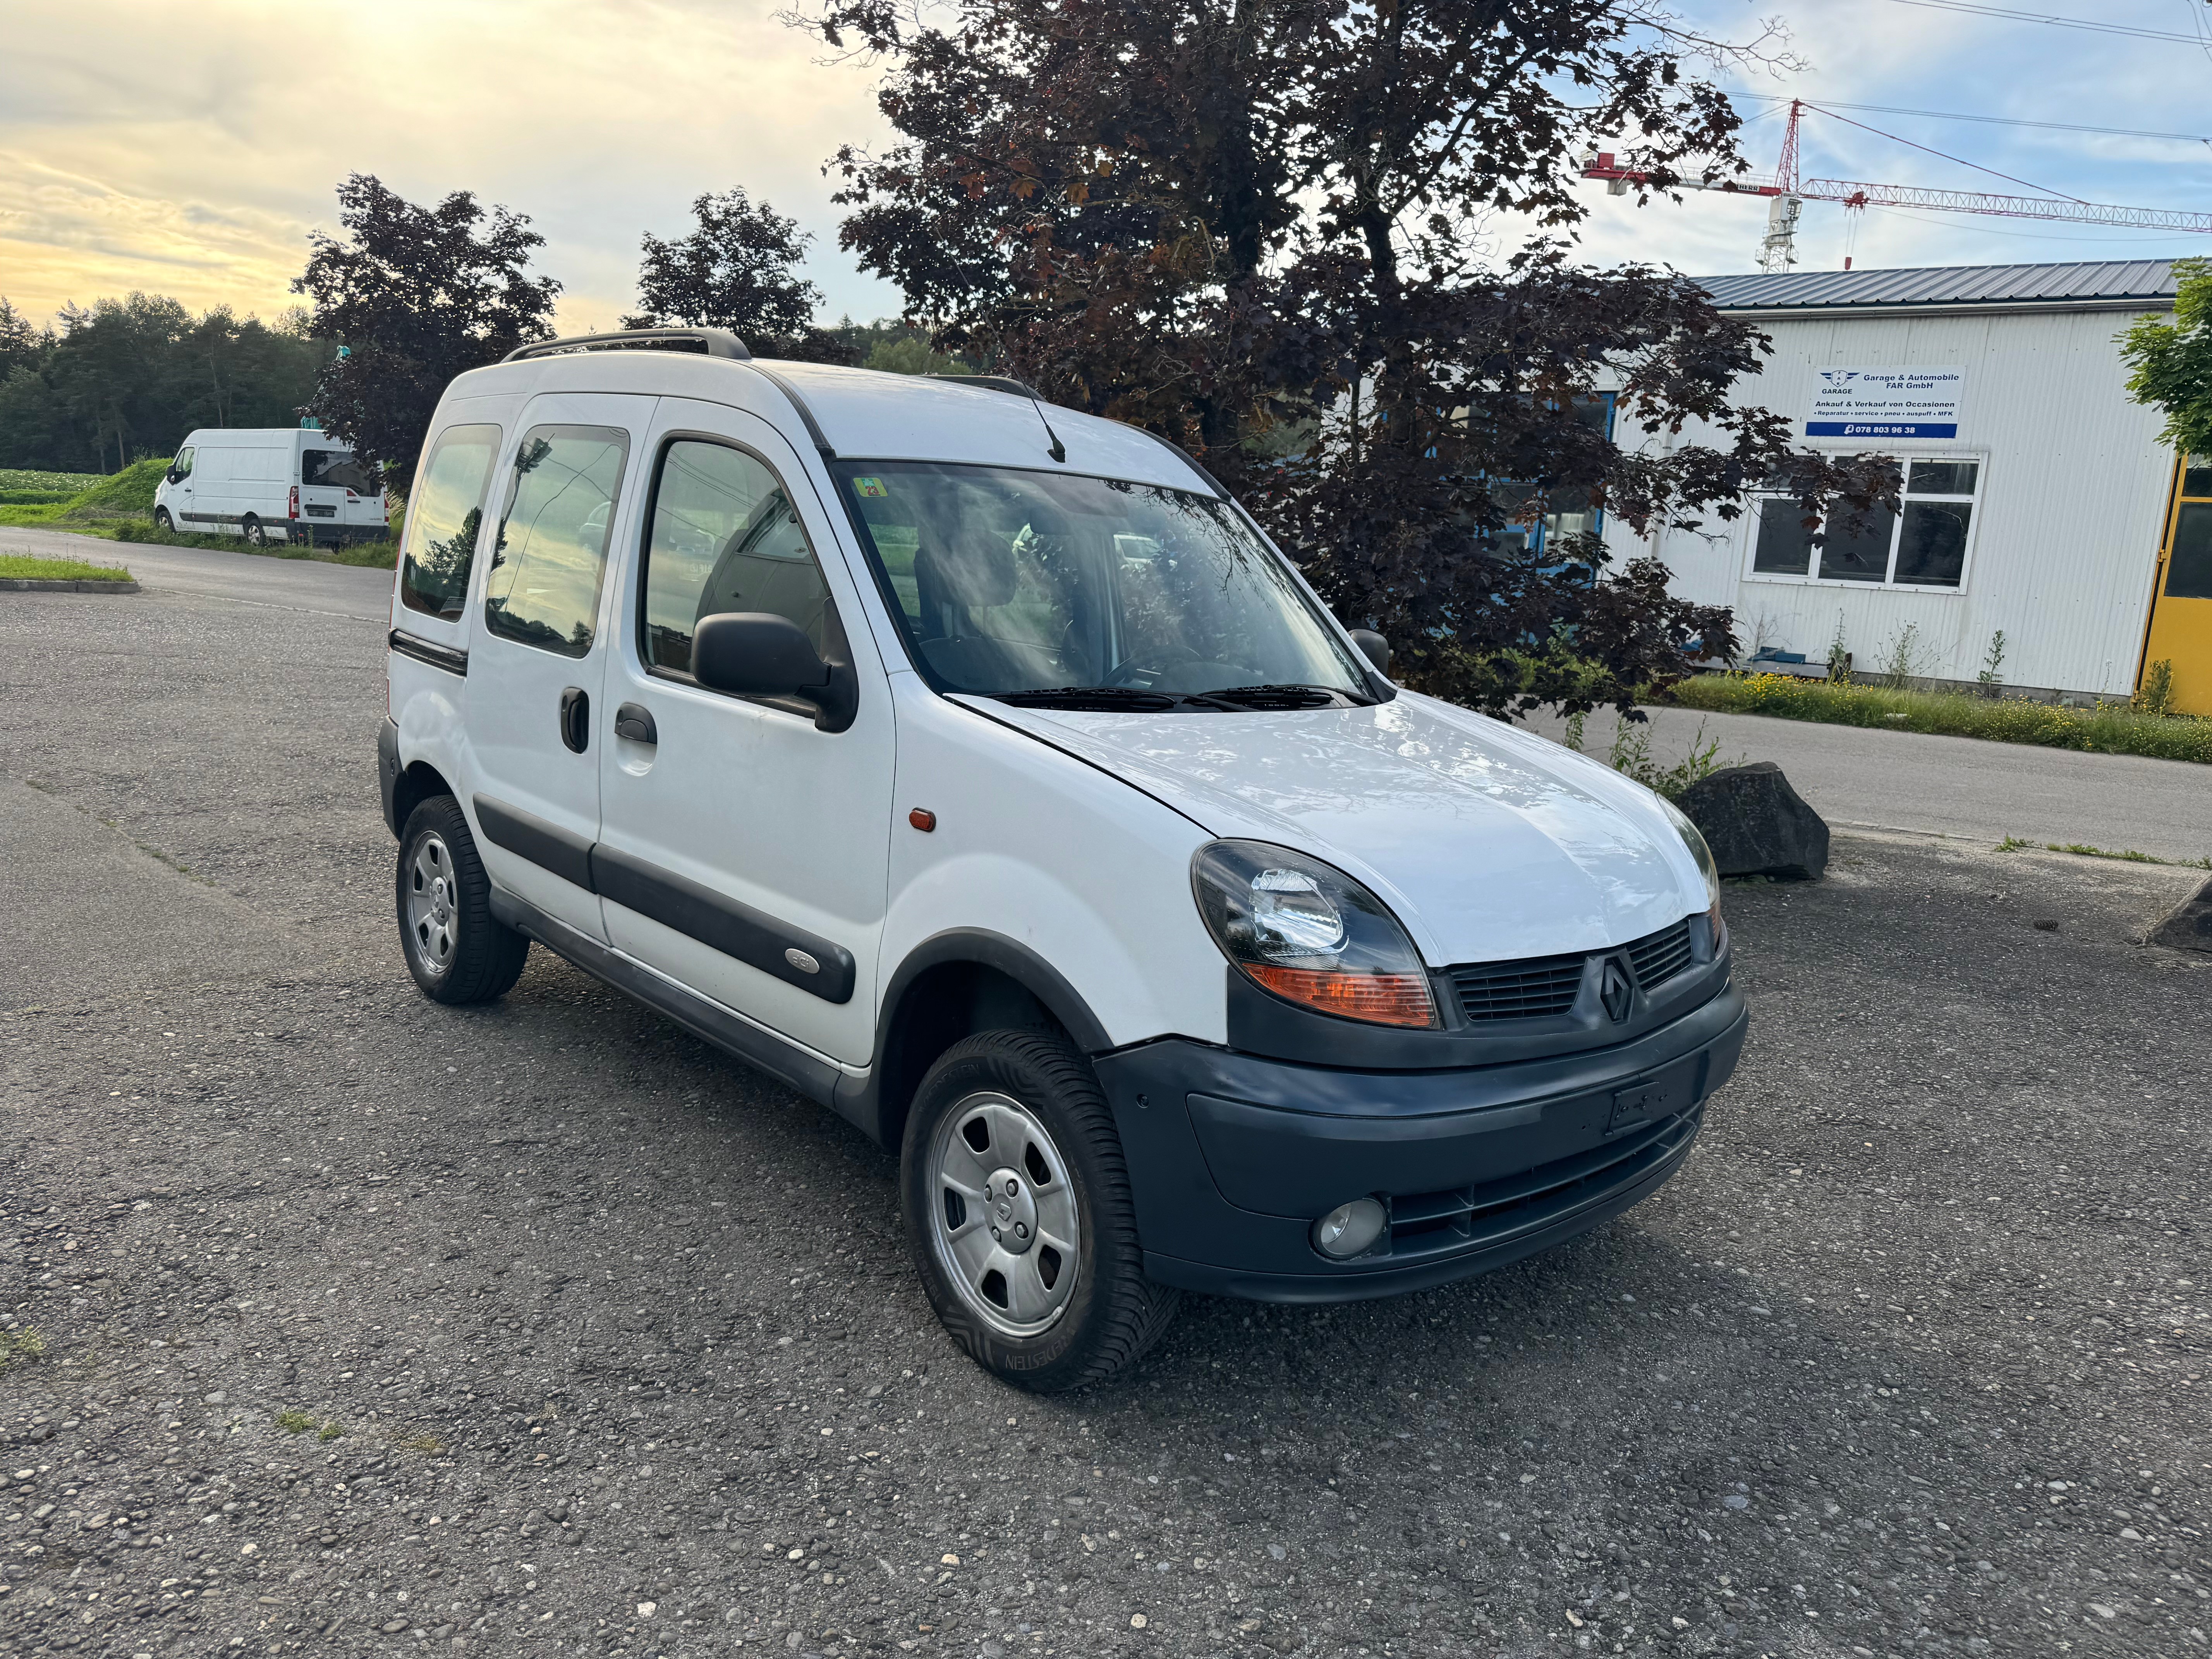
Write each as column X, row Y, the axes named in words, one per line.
column 255, row 535
column 162, row 521
column 1020, row 1217
column 457, row 949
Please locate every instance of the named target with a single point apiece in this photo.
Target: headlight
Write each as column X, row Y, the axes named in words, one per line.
column 1311, row 934
column 1694, row 839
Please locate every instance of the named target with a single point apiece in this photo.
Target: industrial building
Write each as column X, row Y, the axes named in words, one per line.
column 2038, row 504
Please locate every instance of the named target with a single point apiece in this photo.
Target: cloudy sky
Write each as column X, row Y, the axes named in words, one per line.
column 189, row 150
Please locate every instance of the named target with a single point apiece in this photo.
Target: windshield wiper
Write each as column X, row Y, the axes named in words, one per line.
column 1270, row 697
column 1112, row 698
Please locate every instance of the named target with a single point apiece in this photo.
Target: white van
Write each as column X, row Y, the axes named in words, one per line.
column 271, row 484
column 979, row 769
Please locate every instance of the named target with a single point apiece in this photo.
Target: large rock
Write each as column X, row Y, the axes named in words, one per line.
column 2189, row 927
column 1756, row 823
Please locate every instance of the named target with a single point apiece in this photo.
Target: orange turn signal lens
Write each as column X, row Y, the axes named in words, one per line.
column 1378, row 999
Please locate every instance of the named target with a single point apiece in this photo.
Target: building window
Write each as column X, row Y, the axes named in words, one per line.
column 1569, row 510
column 1924, row 545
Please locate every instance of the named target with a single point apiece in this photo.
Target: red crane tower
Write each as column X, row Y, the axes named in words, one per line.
column 1786, row 193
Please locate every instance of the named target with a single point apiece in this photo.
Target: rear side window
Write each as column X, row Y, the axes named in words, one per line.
column 726, row 537
column 338, row 470
column 442, row 518
column 551, row 555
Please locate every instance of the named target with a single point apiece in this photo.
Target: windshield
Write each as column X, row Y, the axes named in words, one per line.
column 1008, row 581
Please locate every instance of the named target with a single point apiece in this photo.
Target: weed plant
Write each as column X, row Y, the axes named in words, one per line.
column 2111, row 728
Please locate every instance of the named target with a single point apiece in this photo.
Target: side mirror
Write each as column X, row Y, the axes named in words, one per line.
column 1374, row 648
column 175, row 477
column 755, row 654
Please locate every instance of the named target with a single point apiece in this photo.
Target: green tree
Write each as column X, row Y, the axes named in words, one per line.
column 416, row 295
column 2170, row 364
column 738, row 270
column 131, row 377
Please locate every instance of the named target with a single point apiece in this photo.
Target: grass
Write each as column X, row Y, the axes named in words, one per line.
column 375, row 555
column 2111, row 728
column 2082, row 849
column 120, row 509
column 124, row 495
column 294, row 1422
column 18, row 566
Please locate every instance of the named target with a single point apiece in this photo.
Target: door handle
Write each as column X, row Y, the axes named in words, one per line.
column 633, row 722
column 575, row 718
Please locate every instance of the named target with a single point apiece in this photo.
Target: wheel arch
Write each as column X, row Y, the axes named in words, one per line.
column 406, row 787
column 952, row 985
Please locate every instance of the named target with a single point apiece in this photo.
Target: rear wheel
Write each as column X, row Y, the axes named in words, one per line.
column 255, row 535
column 457, row 949
column 1019, row 1217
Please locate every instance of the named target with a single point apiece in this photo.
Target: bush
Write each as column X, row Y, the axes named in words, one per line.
column 2111, row 728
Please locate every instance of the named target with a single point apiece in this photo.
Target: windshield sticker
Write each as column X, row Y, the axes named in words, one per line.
column 869, row 486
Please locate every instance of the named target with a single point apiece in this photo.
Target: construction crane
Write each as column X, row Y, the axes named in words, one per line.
column 1786, row 193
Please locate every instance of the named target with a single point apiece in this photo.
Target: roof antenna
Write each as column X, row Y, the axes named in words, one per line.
column 1059, row 450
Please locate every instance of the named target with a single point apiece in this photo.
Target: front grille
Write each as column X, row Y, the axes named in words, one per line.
column 1435, row 1224
column 1535, row 989
column 1657, row 958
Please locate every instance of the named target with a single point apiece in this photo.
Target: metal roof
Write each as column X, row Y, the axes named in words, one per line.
column 2091, row 283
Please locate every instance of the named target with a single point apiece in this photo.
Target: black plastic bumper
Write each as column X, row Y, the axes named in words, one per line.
column 1232, row 1159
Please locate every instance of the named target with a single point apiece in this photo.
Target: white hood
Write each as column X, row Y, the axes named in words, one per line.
column 1487, row 841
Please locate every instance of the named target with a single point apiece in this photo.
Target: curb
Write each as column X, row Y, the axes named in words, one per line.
column 38, row 584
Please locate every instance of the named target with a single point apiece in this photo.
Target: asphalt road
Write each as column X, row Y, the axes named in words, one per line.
column 369, row 1325
column 1951, row 786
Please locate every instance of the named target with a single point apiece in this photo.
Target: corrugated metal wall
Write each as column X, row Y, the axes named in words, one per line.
column 2070, row 512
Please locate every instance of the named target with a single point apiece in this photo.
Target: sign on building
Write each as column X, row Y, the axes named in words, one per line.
column 1919, row 402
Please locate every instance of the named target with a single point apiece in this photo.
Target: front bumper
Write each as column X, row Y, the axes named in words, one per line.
column 1232, row 1158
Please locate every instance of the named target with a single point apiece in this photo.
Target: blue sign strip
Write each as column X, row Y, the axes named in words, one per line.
column 1881, row 429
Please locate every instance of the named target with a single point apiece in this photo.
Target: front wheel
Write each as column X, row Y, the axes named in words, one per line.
column 1019, row 1217
column 457, row 949
column 162, row 521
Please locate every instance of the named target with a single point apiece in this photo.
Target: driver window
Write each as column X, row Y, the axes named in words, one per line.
column 726, row 537
column 183, row 464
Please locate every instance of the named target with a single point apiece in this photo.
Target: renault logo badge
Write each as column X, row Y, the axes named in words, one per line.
column 1614, row 991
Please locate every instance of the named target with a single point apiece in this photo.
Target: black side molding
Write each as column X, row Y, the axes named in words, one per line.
column 796, row 958
column 787, row 1062
column 791, row 954
column 528, row 836
column 429, row 651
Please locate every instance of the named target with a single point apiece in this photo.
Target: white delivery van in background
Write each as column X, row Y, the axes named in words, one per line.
column 271, row 483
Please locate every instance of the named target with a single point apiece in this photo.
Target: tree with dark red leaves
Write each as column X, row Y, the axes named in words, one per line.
column 1260, row 229
column 415, row 295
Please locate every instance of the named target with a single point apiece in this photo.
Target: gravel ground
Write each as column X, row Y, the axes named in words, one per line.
column 339, row 1323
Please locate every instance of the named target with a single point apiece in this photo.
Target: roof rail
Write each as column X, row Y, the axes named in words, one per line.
column 990, row 383
column 715, row 342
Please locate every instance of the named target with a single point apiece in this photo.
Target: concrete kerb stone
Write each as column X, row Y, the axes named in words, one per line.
column 39, row 585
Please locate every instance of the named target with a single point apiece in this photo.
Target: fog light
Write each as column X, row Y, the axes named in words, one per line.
column 1350, row 1230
